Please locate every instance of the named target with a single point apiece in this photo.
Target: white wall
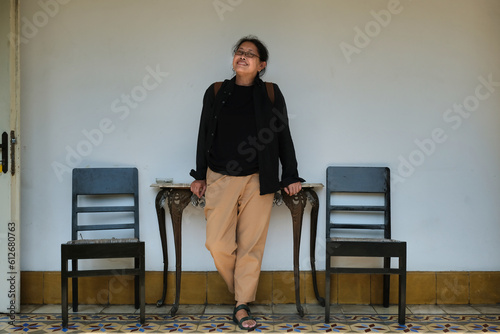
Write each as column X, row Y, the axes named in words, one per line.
column 389, row 96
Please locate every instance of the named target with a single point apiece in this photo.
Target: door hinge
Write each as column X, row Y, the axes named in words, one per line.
column 4, row 146
column 13, row 142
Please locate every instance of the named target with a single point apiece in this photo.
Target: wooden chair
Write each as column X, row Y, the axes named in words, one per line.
column 353, row 185
column 97, row 205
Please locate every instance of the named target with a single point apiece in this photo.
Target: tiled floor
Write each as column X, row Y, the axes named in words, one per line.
column 281, row 318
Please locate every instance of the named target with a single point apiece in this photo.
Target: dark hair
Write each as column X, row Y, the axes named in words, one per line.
column 261, row 48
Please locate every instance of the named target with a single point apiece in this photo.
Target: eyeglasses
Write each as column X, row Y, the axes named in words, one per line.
column 247, row 54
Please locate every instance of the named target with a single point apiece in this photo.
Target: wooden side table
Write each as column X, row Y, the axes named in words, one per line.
column 178, row 196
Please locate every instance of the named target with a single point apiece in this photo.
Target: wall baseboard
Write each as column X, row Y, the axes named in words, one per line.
column 38, row 287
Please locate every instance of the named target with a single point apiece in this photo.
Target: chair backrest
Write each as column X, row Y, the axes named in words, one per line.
column 101, row 184
column 359, row 180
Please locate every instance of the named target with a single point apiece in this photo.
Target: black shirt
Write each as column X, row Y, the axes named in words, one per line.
column 235, row 132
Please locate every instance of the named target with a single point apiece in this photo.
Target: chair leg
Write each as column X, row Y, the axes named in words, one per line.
column 142, row 293
column 387, row 283
column 64, row 291
column 386, row 290
column 136, row 285
column 402, row 287
column 74, row 265
column 402, row 299
column 327, row 290
column 142, row 288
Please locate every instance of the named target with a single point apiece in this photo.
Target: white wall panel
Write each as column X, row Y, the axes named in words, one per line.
column 397, row 83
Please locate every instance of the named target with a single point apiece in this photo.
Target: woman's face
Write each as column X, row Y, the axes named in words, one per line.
column 246, row 60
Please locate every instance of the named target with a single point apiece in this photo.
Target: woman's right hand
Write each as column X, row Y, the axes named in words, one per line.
column 198, row 187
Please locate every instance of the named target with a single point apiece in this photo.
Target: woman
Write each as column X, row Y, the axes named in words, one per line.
column 243, row 136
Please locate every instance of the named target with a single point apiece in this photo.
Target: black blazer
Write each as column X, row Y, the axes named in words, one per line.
column 273, row 144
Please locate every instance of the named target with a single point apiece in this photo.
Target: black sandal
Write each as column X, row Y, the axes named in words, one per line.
column 242, row 320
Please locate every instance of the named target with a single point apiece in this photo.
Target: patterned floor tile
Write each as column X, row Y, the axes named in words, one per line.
column 446, row 328
column 334, row 327
column 388, row 318
column 102, row 327
column 147, row 327
column 456, row 318
column 481, row 327
column 369, row 328
column 178, row 327
column 120, row 318
column 263, row 327
column 25, row 327
column 292, row 327
column 39, row 322
column 24, row 317
column 216, row 327
column 409, row 328
column 57, row 327
column 157, row 318
column 46, row 317
column 87, row 317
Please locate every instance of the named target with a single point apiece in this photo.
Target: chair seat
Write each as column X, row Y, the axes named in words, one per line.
column 102, row 241
column 363, row 240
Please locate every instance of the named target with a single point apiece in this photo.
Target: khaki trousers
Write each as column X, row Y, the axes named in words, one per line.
column 237, row 224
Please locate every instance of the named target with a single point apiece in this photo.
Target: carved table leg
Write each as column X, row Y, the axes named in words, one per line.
column 177, row 201
column 296, row 204
column 160, row 212
column 313, row 199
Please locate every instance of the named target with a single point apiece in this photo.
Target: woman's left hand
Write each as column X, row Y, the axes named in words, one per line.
column 293, row 188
